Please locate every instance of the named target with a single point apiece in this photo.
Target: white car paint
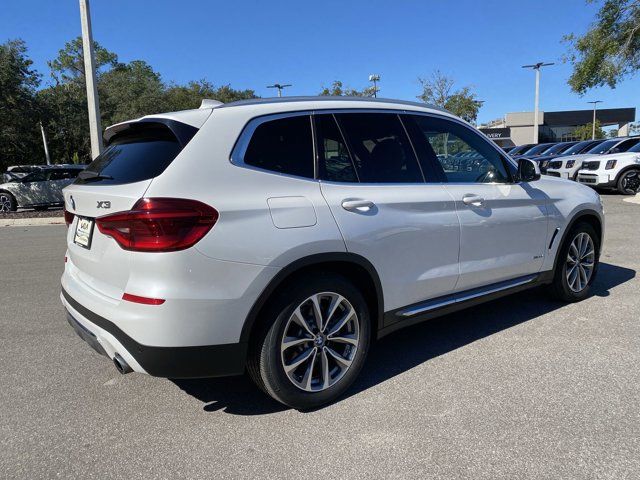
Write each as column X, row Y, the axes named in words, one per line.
column 608, row 177
column 423, row 240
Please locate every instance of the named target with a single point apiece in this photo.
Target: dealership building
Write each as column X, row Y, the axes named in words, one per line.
column 517, row 128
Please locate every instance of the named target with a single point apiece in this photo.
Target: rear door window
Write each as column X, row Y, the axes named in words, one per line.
column 283, row 145
column 336, row 164
column 139, row 153
column 380, row 148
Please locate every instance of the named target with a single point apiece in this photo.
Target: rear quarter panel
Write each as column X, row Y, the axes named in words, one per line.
column 245, row 231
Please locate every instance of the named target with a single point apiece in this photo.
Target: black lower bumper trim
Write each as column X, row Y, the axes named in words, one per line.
column 170, row 362
column 86, row 335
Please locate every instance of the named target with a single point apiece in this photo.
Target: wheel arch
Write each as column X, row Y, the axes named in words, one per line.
column 625, row 170
column 12, row 195
column 589, row 216
column 354, row 267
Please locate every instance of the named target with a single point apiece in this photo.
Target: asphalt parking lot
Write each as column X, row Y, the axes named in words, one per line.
column 521, row 387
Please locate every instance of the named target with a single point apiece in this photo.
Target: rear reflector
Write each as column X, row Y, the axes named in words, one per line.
column 159, row 224
column 144, row 300
column 68, row 216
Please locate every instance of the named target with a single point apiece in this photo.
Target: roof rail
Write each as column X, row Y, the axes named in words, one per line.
column 209, row 103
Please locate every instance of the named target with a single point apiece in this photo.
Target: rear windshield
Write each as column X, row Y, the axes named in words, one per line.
column 137, row 154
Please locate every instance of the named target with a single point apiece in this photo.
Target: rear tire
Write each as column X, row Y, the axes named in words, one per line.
column 577, row 264
column 7, row 202
column 329, row 355
column 629, row 182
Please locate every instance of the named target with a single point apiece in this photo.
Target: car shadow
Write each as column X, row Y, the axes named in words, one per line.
column 407, row 348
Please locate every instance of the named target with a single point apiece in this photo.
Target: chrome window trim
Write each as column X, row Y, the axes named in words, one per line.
column 240, row 147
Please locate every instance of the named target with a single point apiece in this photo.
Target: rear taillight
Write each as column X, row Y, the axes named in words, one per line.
column 68, row 216
column 159, row 224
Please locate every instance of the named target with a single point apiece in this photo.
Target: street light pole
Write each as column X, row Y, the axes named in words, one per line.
column 536, row 67
column 593, row 124
column 375, row 79
column 95, row 128
column 44, row 142
column 280, row 87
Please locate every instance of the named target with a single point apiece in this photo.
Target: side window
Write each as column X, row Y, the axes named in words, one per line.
column 284, row 145
column 463, row 156
column 380, row 148
column 335, row 162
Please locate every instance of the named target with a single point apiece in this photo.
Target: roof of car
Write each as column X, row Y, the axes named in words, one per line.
column 328, row 98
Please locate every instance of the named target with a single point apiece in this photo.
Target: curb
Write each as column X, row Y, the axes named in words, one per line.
column 31, row 222
column 634, row 199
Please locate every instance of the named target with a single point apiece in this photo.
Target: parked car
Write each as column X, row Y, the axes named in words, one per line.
column 520, row 149
column 568, row 167
column 39, row 189
column 620, row 171
column 312, row 227
column 535, row 151
column 552, row 152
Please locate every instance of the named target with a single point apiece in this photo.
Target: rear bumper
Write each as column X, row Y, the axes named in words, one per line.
column 172, row 362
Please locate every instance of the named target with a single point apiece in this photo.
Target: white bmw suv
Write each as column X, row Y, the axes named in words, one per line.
column 284, row 236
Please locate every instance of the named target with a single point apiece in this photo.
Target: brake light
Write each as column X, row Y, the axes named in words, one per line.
column 68, row 216
column 159, row 224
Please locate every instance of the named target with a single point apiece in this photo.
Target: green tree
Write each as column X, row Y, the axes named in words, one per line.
column 337, row 89
column 69, row 64
column 66, row 121
column 610, row 50
column 182, row 97
column 19, row 115
column 129, row 91
column 439, row 90
column 585, row 132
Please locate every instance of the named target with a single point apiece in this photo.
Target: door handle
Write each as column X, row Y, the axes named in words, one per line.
column 473, row 200
column 361, row 206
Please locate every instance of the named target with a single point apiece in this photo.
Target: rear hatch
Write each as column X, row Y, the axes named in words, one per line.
column 114, row 182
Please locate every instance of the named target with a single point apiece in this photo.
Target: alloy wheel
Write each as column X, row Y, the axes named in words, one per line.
column 5, row 203
column 580, row 262
column 320, row 341
column 631, row 181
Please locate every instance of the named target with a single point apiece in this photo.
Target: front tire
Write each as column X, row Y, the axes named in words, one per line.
column 577, row 264
column 7, row 202
column 314, row 342
column 629, row 182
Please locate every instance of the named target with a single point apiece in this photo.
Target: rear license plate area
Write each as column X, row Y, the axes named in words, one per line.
column 84, row 232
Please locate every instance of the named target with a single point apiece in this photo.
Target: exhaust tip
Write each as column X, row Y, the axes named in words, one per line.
column 121, row 365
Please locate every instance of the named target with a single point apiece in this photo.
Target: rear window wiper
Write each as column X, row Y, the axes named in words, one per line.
column 90, row 176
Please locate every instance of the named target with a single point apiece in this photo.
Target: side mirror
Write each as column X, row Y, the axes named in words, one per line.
column 528, row 170
column 614, row 150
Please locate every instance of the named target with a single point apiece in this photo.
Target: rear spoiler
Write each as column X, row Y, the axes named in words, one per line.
column 183, row 132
